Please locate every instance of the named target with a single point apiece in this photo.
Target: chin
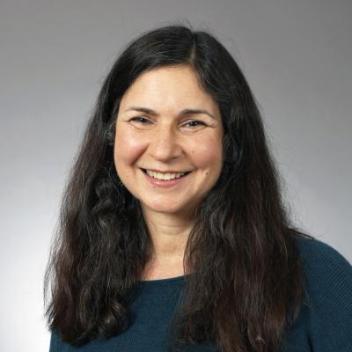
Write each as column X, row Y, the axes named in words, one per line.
column 164, row 208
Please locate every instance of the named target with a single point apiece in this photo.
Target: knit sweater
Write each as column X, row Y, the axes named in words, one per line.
column 324, row 323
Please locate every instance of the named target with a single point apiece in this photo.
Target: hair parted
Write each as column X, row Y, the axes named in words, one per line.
column 246, row 282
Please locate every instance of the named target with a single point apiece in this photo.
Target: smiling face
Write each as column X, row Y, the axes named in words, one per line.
column 167, row 122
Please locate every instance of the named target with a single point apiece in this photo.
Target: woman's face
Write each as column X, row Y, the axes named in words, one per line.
column 166, row 125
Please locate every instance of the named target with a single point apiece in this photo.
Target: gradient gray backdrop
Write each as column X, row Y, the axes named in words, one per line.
column 296, row 54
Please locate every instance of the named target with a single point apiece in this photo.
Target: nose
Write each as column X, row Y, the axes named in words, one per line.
column 164, row 144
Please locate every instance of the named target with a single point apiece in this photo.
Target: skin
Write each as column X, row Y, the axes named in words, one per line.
column 169, row 139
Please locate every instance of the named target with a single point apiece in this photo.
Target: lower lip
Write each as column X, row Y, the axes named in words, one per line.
column 164, row 183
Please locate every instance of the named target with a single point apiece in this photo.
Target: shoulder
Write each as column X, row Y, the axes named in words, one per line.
column 322, row 263
column 325, row 269
column 312, row 249
column 326, row 315
column 54, row 341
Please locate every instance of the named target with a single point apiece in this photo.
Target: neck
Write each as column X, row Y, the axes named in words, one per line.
column 169, row 234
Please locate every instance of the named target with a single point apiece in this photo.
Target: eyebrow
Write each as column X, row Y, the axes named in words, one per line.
column 181, row 113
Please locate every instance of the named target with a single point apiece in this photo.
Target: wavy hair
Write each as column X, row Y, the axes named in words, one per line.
column 246, row 285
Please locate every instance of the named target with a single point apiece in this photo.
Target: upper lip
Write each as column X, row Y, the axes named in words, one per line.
column 166, row 171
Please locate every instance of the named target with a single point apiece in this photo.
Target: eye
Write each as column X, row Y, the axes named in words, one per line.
column 140, row 120
column 194, row 123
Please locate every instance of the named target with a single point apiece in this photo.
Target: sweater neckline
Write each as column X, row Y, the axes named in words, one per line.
column 162, row 282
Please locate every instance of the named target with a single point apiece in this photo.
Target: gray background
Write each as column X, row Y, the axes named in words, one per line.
column 296, row 55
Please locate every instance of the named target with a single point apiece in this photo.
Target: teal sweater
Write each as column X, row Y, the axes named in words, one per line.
column 323, row 325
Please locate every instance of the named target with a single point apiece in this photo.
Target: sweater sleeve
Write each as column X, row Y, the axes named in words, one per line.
column 328, row 311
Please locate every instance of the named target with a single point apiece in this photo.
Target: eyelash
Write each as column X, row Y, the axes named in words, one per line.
column 138, row 119
column 143, row 120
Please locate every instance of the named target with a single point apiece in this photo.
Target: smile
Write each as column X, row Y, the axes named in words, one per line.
column 165, row 179
column 165, row 175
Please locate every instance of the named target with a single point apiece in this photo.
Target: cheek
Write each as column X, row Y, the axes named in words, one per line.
column 207, row 154
column 128, row 147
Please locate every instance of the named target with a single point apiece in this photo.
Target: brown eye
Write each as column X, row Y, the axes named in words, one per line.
column 194, row 123
column 140, row 120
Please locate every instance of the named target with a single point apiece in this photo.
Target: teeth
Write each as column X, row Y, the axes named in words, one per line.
column 164, row 176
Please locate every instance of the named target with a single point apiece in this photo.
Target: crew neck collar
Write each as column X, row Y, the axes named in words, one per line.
column 162, row 282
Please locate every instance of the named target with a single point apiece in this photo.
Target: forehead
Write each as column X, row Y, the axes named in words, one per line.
column 169, row 87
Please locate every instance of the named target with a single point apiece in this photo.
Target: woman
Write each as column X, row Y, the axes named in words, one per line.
column 173, row 233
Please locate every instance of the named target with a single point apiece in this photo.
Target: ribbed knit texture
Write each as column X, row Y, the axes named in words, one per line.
column 324, row 323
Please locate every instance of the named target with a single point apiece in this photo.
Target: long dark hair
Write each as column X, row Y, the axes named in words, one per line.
column 246, row 285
